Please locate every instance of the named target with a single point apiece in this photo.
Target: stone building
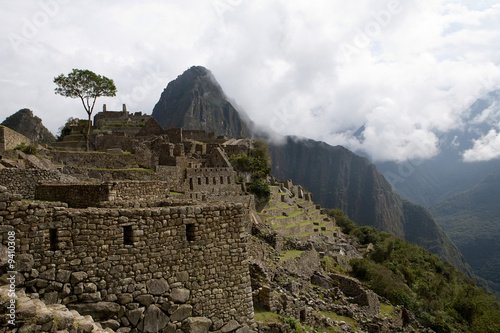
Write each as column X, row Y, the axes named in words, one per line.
column 153, row 268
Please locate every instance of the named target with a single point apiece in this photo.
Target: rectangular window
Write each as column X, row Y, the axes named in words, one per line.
column 190, row 232
column 229, row 179
column 199, row 181
column 127, row 235
column 53, row 239
column 206, row 180
column 221, row 180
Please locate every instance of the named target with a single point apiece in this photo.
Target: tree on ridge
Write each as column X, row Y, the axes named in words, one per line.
column 86, row 85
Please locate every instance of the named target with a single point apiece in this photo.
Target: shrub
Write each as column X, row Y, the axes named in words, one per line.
column 261, row 189
column 342, row 220
column 27, row 149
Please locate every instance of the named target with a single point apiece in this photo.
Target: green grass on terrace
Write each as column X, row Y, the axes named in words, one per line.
column 296, row 213
column 290, row 254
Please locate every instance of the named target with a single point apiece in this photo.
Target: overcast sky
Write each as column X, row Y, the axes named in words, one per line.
column 406, row 70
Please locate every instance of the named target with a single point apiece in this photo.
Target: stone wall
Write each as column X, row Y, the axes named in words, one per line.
column 150, row 268
column 81, row 195
column 105, row 142
column 198, row 135
column 10, row 139
column 212, row 180
column 24, row 181
column 95, row 160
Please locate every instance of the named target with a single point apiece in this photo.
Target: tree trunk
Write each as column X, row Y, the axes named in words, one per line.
column 88, row 134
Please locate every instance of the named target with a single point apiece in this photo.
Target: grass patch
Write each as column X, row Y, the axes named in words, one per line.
column 290, row 254
column 387, row 310
column 334, row 316
column 176, row 193
column 265, row 316
column 294, row 214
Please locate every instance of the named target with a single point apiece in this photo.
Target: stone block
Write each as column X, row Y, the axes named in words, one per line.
column 179, row 295
column 154, row 319
column 182, row 312
column 77, row 277
column 196, row 325
column 134, row 316
column 49, row 274
column 233, row 325
column 145, row 300
column 24, row 262
column 63, row 276
column 125, row 299
column 157, row 286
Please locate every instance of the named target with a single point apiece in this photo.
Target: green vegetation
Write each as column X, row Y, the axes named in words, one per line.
column 342, row 220
column 27, row 149
column 441, row 297
column 290, row 254
column 267, row 317
column 258, row 163
column 87, row 86
column 66, row 129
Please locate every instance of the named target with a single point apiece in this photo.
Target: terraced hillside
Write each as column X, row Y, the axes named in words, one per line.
column 291, row 212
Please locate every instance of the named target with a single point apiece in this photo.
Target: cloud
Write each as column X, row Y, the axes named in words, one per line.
column 485, row 148
column 406, row 70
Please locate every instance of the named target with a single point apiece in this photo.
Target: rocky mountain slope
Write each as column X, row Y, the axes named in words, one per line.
column 472, row 220
column 29, row 125
column 341, row 179
column 195, row 101
column 337, row 177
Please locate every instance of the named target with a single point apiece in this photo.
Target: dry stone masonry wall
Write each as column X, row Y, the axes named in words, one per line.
column 147, row 268
column 10, row 139
column 24, row 181
column 82, row 195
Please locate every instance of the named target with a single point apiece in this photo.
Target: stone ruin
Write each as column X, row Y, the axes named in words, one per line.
column 150, row 269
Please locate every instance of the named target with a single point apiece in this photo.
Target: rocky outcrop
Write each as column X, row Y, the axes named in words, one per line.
column 33, row 315
column 29, row 125
column 341, row 179
column 195, row 101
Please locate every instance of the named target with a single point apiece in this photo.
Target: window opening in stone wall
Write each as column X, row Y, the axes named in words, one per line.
column 190, row 232
column 191, row 184
column 229, row 179
column 53, row 239
column 127, row 235
column 215, row 183
column 206, row 180
column 199, row 181
column 221, row 180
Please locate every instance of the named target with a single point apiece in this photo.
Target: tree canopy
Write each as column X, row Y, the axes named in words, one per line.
column 87, row 86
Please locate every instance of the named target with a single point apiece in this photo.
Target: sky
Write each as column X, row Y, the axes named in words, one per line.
column 405, row 70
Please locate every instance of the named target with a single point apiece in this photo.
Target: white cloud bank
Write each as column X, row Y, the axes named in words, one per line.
column 406, row 70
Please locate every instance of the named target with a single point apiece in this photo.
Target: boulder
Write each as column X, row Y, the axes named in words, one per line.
column 182, row 312
column 196, row 325
column 157, row 286
column 99, row 311
column 134, row 316
column 230, row 327
column 179, row 295
column 154, row 319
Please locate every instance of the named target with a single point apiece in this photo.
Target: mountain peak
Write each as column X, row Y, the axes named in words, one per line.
column 195, row 101
column 29, row 125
